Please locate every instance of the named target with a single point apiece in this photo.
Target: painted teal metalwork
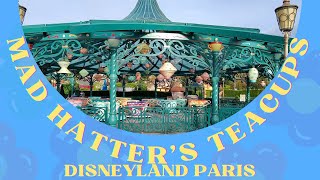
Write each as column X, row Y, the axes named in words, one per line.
column 98, row 113
column 91, row 84
column 147, row 11
column 163, row 120
column 58, row 78
column 248, row 91
column 113, row 90
column 215, row 72
column 278, row 57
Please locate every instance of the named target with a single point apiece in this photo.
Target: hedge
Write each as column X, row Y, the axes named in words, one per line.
column 236, row 93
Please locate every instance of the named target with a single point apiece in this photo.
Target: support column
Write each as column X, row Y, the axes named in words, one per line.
column 91, row 84
column 113, row 89
column 277, row 59
column 58, row 79
column 248, row 91
column 72, row 85
column 123, row 87
column 187, row 87
column 155, row 88
column 286, row 45
column 215, row 89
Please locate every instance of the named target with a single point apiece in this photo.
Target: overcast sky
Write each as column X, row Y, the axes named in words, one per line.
column 238, row 13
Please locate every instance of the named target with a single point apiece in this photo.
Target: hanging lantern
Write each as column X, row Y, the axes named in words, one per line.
column 143, row 48
column 160, row 77
column 253, row 75
column 215, row 46
column 64, row 67
column 167, row 70
column 84, row 73
column 205, row 76
column 84, row 51
column 199, row 79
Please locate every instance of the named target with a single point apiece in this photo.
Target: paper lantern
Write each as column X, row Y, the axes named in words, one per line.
column 167, row 70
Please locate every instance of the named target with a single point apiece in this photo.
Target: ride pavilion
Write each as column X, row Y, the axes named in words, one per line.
column 147, row 43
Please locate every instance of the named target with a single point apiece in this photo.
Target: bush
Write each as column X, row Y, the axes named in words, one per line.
column 236, row 93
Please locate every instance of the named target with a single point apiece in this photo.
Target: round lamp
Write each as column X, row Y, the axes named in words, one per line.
column 253, row 75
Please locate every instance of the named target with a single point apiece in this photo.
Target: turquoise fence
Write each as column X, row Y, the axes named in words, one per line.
column 158, row 120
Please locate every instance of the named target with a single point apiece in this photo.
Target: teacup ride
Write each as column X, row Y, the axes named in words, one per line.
column 136, row 108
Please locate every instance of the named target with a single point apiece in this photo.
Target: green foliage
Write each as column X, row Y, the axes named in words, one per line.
column 142, row 85
column 67, row 88
column 129, row 85
column 76, row 86
column 119, row 84
column 96, row 86
column 236, row 93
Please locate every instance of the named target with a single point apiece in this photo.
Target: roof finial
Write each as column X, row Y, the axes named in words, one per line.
column 147, row 11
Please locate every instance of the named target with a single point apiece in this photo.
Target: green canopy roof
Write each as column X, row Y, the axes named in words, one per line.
column 147, row 11
column 147, row 24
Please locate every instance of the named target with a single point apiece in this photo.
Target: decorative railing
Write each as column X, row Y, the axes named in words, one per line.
column 163, row 120
column 98, row 113
column 159, row 120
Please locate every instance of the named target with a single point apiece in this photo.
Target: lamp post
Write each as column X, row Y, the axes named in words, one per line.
column 22, row 13
column 113, row 44
column 286, row 16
